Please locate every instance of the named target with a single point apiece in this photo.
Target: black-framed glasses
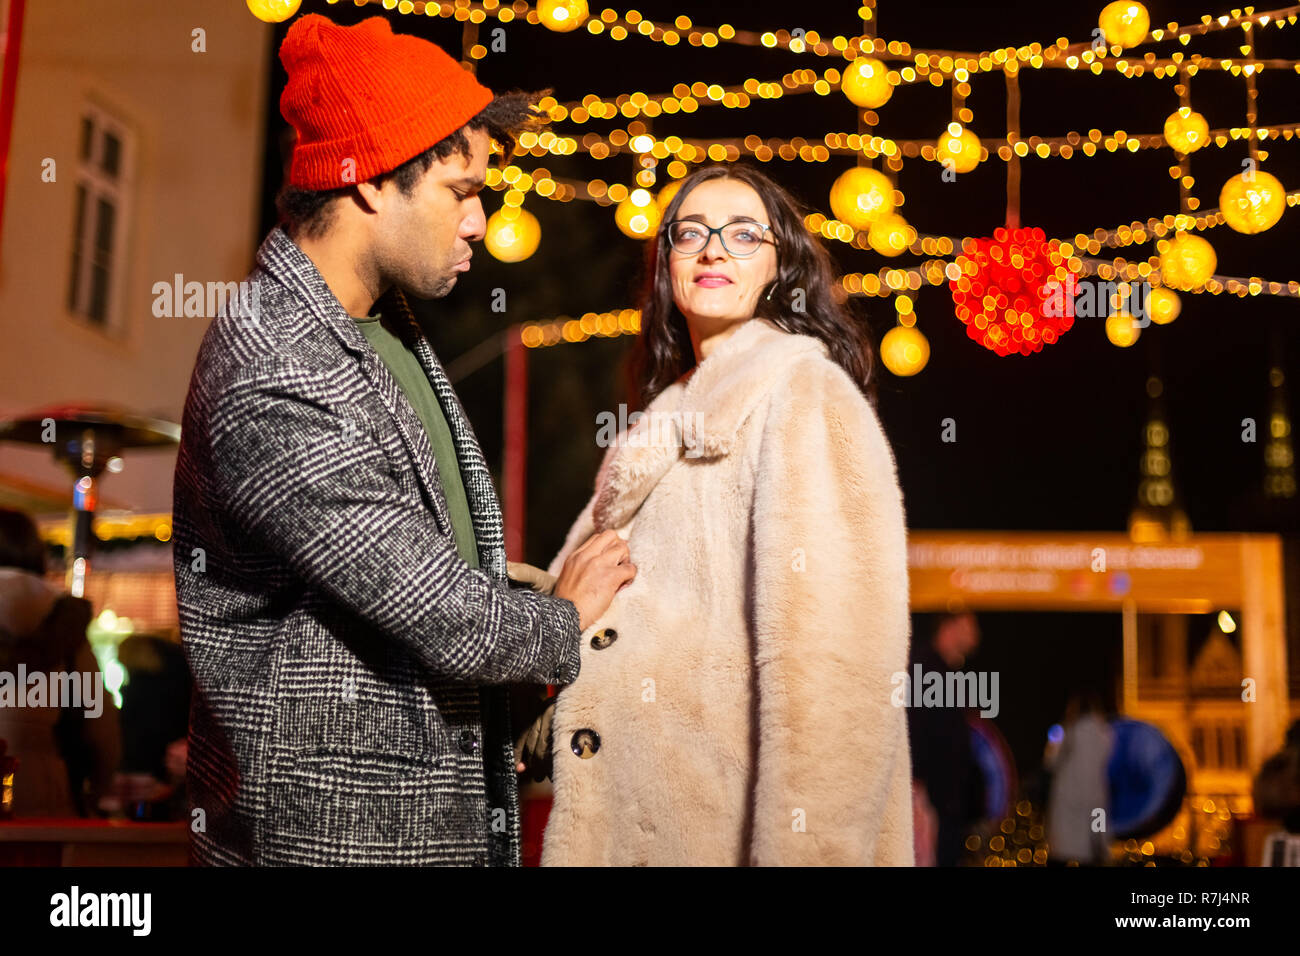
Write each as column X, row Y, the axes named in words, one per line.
column 740, row 237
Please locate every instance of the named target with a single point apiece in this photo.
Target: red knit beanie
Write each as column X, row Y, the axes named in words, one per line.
column 365, row 94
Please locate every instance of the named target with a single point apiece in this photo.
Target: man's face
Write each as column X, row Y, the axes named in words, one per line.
column 958, row 639
column 423, row 240
column 968, row 635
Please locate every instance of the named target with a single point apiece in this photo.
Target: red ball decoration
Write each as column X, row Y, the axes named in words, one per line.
column 1014, row 292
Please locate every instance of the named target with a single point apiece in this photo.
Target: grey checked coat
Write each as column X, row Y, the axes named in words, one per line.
column 348, row 664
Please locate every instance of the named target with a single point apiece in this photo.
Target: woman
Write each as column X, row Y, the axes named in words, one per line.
column 734, row 701
column 43, row 631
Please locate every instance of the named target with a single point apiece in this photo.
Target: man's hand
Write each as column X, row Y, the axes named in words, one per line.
column 176, row 757
column 533, row 752
column 593, row 573
column 535, row 578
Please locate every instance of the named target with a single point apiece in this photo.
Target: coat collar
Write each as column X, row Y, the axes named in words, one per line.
column 292, row 267
column 698, row 417
column 288, row 265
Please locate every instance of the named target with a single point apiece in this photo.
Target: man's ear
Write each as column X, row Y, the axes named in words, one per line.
column 371, row 196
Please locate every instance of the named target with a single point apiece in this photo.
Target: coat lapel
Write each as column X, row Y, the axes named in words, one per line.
column 485, row 509
column 696, row 419
column 647, row 451
column 288, row 264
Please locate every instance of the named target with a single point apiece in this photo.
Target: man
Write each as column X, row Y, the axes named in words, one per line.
column 945, row 778
column 338, row 544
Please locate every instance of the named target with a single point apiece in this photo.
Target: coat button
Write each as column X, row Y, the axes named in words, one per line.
column 585, row 743
column 468, row 742
column 603, row 638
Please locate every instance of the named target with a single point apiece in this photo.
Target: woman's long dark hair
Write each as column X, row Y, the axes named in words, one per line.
column 664, row 350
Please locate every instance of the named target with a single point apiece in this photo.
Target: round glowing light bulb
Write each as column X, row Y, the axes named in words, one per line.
column 1121, row 329
column 861, row 195
column 1252, row 202
column 891, row 235
column 904, row 350
column 512, row 234
column 866, row 83
column 1163, row 305
column 959, row 147
column 562, row 16
column 1187, row 261
column 1186, row 130
column 1125, row 23
column 638, row 215
column 273, row 11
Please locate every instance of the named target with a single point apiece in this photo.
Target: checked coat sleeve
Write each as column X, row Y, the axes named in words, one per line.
column 298, row 474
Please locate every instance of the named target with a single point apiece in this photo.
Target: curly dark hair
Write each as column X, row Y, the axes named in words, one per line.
column 664, row 351
column 310, row 211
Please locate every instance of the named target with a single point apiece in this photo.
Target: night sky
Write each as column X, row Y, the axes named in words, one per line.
column 1051, row 441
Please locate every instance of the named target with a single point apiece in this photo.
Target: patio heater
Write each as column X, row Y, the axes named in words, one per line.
column 86, row 438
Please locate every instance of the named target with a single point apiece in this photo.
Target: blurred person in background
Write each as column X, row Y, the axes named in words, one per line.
column 1080, row 784
column 155, row 720
column 66, row 756
column 1276, row 792
column 946, row 782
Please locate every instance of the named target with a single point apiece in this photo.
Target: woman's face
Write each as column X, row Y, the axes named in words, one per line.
column 714, row 288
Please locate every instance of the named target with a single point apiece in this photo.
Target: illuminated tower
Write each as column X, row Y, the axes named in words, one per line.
column 1157, row 514
column 1279, row 456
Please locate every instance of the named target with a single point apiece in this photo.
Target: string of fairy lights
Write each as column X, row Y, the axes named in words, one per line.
column 565, row 16
column 865, row 204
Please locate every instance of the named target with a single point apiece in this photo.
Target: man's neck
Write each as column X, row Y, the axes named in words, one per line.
column 337, row 265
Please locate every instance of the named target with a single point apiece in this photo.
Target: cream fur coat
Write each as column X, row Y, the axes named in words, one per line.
column 740, row 685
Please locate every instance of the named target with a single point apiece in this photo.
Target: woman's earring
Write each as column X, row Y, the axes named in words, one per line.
column 770, row 291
